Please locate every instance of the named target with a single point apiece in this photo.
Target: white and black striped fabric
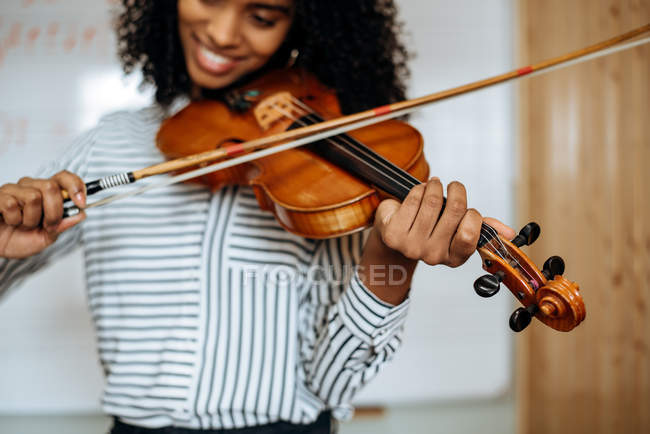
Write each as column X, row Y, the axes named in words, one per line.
column 208, row 314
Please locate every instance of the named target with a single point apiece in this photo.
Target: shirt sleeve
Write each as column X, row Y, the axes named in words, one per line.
column 347, row 334
column 13, row 271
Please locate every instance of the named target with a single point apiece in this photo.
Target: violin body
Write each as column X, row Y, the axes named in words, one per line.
column 309, row 195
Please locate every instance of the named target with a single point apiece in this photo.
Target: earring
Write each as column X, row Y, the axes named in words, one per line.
column 293, row 56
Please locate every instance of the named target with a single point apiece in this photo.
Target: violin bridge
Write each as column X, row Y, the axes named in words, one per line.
column 276, row 107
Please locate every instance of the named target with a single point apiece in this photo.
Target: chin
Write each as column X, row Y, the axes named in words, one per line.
column 207, row 81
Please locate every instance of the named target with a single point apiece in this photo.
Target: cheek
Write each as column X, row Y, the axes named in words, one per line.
column 266, row 43
column 191, row 15
column 187, row 16
column 189, row 11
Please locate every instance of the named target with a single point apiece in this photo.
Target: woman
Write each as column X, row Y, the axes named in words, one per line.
column 197, row 328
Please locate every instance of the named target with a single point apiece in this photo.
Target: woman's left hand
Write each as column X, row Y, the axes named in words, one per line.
column 418, row 230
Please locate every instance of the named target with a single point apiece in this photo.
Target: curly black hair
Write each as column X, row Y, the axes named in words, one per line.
column 350, row 46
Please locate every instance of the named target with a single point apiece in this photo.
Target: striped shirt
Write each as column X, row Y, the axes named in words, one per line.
column 208, row 314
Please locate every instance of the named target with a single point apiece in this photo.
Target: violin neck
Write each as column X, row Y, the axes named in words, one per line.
column 358, row 159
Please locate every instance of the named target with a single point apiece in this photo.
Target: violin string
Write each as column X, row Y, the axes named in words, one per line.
column 366, row 153
column 332, row 141
column 363, row 149
column 495, row 236
column 370, row 158
column 487, row 238
column 500, row 247
column 490, row 234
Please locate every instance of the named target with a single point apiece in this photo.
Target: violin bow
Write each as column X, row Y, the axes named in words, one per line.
column 313, row 133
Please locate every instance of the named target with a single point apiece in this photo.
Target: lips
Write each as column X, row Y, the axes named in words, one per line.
column 213, row 62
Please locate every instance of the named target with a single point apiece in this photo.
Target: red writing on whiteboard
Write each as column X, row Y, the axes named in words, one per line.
column 32, row 35
column 14, row 36
column 89, row 34
column 54, row 35
column 70, row 41
column 61, row 130
column 52, row 30
column 13, row 131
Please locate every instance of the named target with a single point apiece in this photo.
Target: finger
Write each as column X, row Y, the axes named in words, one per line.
column 74, row 185
column 383, row 216
column 69, row 222
column 52, row 201
column 404, row 217
column 10, row 209
column 465, row 240
column 429, row 211
column 30, row 200
column 505, row 231
column 32, row 207
column 454, row 211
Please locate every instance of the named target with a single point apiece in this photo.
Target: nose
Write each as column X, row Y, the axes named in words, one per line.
column 224, row 29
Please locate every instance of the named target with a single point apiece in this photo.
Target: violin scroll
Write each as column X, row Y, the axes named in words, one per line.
column 545, row 294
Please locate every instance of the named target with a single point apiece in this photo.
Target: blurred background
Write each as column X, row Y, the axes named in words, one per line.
column 568, row 150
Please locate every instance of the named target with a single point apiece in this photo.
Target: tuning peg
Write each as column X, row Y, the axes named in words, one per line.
column 488, row 285
column 521, row 317
column 552, row 267
column 527, row 235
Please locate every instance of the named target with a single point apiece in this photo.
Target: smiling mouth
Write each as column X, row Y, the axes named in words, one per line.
column 213, row 62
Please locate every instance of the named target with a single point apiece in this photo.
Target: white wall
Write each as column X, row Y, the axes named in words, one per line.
column 58, row 75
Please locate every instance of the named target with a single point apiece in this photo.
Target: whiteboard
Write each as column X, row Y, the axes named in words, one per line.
column 59, row 74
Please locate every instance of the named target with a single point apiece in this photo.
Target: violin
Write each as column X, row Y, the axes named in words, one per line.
column 332, row 187
column 316, row 191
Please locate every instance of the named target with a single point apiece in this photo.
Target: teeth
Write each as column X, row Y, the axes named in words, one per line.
column 213, row 57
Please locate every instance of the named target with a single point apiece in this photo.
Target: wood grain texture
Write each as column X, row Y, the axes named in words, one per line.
column 585, row 160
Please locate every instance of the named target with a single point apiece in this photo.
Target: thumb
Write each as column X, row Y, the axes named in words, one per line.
column 69, row 222
column 385, row 212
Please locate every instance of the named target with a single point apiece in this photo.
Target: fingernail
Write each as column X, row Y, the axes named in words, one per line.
column 80, row 198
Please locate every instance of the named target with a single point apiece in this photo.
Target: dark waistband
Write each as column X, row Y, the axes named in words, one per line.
column 322, row 425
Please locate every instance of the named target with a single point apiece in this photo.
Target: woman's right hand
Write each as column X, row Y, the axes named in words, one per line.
column 31, row 213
